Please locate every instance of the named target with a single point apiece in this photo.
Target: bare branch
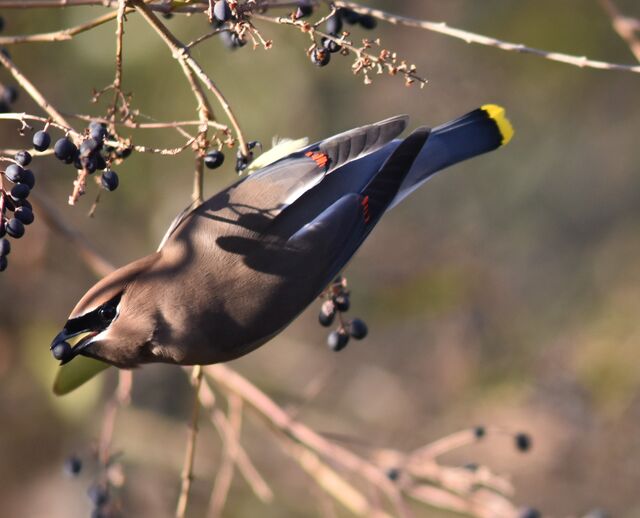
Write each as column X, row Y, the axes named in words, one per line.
column 470, row 37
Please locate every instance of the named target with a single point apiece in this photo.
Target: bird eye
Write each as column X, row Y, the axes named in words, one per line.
column 107, row 313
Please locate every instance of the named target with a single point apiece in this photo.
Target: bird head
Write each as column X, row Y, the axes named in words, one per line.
column 110, row 322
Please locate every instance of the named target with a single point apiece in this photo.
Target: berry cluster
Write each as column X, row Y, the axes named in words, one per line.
column 15, row 201
column 92, row 155
column 337, row 302
column 321, row 55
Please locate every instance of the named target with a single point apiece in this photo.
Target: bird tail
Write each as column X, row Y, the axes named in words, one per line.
column 480, row 131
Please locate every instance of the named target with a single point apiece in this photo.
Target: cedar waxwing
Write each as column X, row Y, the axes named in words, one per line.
column 234, row 271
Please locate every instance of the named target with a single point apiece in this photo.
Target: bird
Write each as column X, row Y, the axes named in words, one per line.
column 235, row 270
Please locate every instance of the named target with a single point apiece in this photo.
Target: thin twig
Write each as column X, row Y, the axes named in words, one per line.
column 62, row 35
column 470, row 37
column 33, row 92
column 187, row 468
column 224, row 477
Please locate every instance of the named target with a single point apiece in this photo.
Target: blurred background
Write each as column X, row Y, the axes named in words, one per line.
column 506, row 292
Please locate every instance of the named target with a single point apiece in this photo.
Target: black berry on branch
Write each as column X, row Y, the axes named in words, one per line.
column 358, row 329
column 349, row 16
column 214, row 159
column 334, row 24
column 320, row 57
column 13, row 172
column 109, row 180
column 5, row 246
column 41, row 141
column 337, row 340
column 23, row 158
column 20, row 191
column 64, row 149
column 304, row 9
column 368, row 22
column 24, row 214
column 222, row 11
column 28, row 178
column 15, row 228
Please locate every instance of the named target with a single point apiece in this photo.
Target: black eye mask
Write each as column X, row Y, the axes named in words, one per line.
column 99, row 318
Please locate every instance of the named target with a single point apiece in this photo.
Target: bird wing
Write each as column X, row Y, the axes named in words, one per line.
column 278, row 185
column 255, row 201
column 335, row 234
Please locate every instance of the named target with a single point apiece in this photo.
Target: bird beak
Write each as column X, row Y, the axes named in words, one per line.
column 80, row 344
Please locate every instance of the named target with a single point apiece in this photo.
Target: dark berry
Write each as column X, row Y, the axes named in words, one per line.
column 3, row 263
column 3, row 228
column 24, row 214
column 64, row 149
column 109, row 180
column 100, row 161
column 342, row 302
column 28, row 178
column 237, row 41
column 14, row 173
column 23, row 158
column 98, row 131
column 327, row 313
column 41, row 141
column 20, row 191
column 61, row 351
column 89, row 163
column 523, row 442
column 1, row 23
column 479, row 432
column 15, row 228
column 214, row 159
column 222, row 11
column 330, row 45
column 529, row 512
column 72, row 466
column 320, row 57
column 167, row 16
column 5, row 246
column 4, row 107
column 10, row 95
column 124, row 153
column 88, row 147
column 334, row 24
column 367, row 22
column 349, row 16
column 393, row 474
column 24, row 203
column 337, row 340
column 304, row 9
column 98, row 495
column 358, row 329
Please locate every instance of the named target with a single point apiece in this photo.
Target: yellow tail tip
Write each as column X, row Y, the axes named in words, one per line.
column 497, row 113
